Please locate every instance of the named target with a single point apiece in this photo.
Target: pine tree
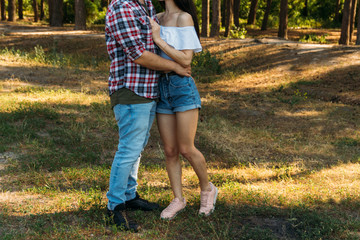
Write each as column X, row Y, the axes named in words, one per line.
column 283, row 19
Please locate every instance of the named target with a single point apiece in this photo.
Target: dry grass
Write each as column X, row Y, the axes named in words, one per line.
column 279, row 128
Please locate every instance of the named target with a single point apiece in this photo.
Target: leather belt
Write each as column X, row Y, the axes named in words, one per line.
column 168, row 74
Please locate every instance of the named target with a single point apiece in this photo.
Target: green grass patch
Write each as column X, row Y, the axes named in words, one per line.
column 286, row 164
column 56, row 58
column 313, row 38
column 303, row 83
column 205, row 66
column 347, row 142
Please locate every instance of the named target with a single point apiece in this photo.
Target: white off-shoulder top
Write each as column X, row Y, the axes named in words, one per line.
column 180, row 38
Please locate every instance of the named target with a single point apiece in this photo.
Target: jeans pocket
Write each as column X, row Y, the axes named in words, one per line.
column 178, row 82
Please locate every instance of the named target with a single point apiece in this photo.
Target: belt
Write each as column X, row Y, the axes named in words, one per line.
column 168, row 74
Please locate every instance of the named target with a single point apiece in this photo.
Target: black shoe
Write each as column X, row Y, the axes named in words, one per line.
column 140, row 204
column 119, row 218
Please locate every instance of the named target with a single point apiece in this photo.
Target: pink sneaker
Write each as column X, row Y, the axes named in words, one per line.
column 208, row 200
column 173, row 209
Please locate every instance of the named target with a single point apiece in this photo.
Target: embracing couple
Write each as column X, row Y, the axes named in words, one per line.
column 150, row 73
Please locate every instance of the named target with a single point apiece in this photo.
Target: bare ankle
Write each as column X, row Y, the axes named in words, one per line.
column 207, row 188
column 181, row 198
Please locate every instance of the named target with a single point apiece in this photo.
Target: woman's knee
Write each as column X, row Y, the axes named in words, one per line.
column 171, row 152
column 187, row 151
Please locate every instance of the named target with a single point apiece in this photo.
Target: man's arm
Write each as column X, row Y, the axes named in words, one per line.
column 122, row 23
column 152, row 61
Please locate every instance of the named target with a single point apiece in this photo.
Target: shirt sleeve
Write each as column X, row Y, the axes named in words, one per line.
column 181, row 38
column 125, row 29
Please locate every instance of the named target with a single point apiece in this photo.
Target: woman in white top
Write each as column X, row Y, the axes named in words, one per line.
column 178, row 108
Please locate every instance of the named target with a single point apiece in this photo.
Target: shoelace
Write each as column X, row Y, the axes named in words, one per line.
column 126, row 219
column 172, row 205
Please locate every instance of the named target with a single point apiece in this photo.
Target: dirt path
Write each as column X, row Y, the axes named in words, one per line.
column 12, row 29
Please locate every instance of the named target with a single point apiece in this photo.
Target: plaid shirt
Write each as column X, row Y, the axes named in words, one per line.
column 128, row 35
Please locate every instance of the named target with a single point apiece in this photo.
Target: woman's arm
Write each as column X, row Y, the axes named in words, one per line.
column 152, row 61
column 182, row 57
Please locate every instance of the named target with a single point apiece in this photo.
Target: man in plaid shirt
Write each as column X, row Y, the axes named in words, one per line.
column 133, row 93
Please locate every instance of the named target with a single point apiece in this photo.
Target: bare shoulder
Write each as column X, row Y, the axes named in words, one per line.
column 159, row 15
column 184, row 19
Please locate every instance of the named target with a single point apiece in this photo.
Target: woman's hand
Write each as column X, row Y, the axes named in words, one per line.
column 183, row 71
column 155, row 30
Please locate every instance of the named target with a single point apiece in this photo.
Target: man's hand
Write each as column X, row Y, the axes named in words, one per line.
column 183, row 71
column 152, row 61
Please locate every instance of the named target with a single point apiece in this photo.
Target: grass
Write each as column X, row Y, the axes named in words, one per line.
column 313, row 38
column 55, row 58
column 283, row 151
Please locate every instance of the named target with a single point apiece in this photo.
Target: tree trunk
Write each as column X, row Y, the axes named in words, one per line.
column 352, row 18
column 50, row 6
column 337, row 9
column 216, row 17
column 283, row 19
column 252, row 14
column 205, row 18
column 358, row 29
column 266, row 15
column 236, row 12
column 42, row 10
column 56, row 13
column 35, row 8
column 104, row 3
column 306, row 9
column 229, row 16
column 11, row 11
column 3, row 12
column 80, row 15
column 20, row 9
column 345, row 26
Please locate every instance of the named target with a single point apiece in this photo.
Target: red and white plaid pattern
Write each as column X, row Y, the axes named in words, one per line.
column 128, row 35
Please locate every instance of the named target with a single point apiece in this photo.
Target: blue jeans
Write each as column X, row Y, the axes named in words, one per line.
column 134, row 122
column 177, row 94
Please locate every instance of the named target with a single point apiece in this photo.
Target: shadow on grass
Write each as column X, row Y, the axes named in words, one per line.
column 78, row 224
column 340, row 85
column 67, row 42
column 50, row 137
column 267, row 57
column 227, row 222
column 77, row 77
column 53, row 136
column 301, row 112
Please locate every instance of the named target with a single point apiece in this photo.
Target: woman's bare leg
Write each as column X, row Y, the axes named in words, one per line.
column 186, row 125
column 167, row 127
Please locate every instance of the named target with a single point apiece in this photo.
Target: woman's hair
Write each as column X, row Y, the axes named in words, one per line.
column 189, row 7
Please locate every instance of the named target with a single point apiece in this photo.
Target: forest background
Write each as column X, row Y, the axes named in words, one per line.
column 232, row 15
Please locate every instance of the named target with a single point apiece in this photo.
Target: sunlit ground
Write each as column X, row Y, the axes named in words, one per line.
column 279, row 128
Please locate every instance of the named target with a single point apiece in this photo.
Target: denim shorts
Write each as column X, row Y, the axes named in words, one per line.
column 177, row 94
